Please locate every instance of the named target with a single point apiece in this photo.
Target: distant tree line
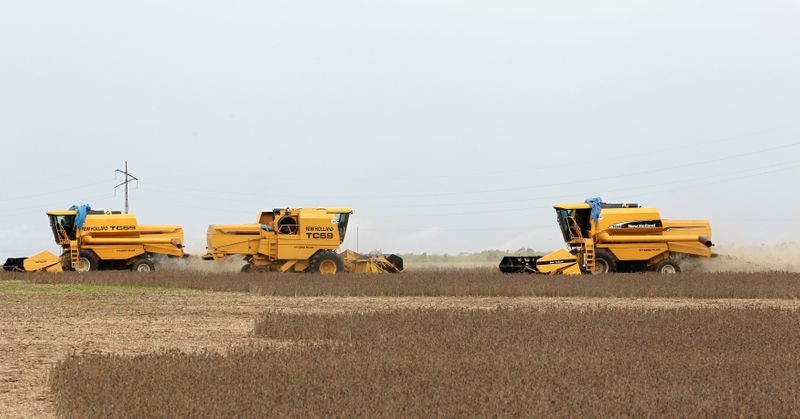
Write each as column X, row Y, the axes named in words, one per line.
column 482, row 256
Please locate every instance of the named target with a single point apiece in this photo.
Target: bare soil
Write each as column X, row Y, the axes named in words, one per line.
column 42, row 324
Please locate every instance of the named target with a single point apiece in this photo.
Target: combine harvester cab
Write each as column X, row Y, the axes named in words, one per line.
column 295, row 240
column 604, row 237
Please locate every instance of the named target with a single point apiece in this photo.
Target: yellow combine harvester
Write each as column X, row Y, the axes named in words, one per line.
column 605, row 237
column 95, row 240
column 295, row 240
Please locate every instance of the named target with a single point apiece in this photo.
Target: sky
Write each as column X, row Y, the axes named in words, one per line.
column 449, row 126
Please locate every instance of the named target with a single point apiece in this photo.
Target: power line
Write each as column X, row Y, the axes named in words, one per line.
column 649, row 189
column 648, row 152
column 643, row 172
column 50, row 192
column 128, row 178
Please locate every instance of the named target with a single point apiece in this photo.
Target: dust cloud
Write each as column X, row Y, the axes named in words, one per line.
column 196, row 263
column 783, row 257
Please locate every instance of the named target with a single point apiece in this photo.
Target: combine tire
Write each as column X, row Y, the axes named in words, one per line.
column 87, row 262
column 247, row 268
column 326, row 262
column 260, row 269
column 143, row 265
column 668, row 266
column 604, row 262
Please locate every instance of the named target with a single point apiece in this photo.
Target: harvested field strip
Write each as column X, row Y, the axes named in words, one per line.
column 462, row 363
column 452, row 283
column 16, row 286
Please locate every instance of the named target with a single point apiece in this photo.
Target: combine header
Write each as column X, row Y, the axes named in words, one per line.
column 604, row 237
column 295, row 240
column 95, row 240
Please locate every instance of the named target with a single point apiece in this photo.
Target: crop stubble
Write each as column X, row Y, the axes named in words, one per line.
column 41, row 328
column 463, row 363
column 457, row 283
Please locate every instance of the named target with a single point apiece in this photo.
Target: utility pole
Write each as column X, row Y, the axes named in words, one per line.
column 128, row 178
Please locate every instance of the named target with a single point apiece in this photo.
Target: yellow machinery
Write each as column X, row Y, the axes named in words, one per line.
column 94, row 240
column 295, row 240
column 40, row 262
column 617, row 238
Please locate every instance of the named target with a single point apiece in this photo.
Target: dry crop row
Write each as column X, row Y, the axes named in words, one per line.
column 462, row 363
column 453, row 283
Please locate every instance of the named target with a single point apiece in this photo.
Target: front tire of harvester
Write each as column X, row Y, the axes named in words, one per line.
column 668, row 266
column 143, row 265
column 326, row 262
column 88, row 261
column 604, row 262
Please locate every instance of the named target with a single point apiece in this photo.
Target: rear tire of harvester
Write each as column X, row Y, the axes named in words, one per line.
column 88, row 262
column 326, row 262
column 247, row 268
column 604, row 262
column 668, row 266
column 260, row 269
column 143, row 265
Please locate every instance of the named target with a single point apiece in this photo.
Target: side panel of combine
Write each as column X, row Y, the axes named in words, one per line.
column 116, row 252
column 315, row 231
column 119, row 237
column 635, row 251
column 639, row 234
column 700, row 228
column 234, row 239
column 690, row 248
column 630, row 221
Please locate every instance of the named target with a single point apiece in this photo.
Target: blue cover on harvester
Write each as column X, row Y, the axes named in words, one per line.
column 81, row 217
column 597, row 205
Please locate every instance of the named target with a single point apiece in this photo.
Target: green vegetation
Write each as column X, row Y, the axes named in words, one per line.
column 8, row 286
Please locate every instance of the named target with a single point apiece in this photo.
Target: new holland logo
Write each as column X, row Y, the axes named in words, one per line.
column 109, row 228
column 639, row 224
column 556, row 262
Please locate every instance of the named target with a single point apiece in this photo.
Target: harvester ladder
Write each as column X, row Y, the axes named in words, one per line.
column 273, row 250
column 74, row 254
column 588, row 255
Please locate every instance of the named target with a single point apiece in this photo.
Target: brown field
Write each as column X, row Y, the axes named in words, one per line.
column 628, row 344
column 463, row 363
column 447, row 283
